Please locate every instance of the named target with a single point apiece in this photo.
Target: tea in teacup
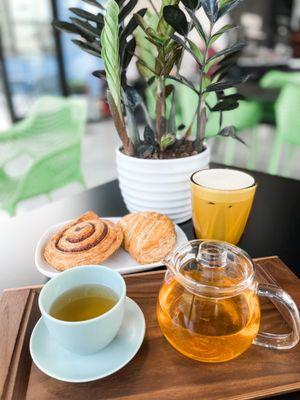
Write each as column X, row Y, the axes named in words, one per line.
column 83, row 302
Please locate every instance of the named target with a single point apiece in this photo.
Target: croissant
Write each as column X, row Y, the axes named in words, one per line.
column 87, row 240
column 148, row 236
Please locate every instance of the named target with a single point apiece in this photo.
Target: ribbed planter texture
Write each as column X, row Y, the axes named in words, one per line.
column 159, row 185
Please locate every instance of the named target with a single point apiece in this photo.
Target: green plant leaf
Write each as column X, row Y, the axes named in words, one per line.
column 145, row 150
column 167, row 140
column 127, row 9
column 65, row 26
column 197, row 25
column 235, row 96
column 176, row 18
column 85, row 27
column 91, row 48
column 87, row 15
column 110, row 52
column 229, row 50
column 211, row 9
column 94, row 3
column 220, row 32
column 225, row 105
column 162, row 27
column 230, row 131
column 192, row 4
column 217, row 87
column 227, row 7
column 198, row 53
column 181, row 79
column 180, row 41
column 149, row 136
column 128, row 53
column 131, row 26
column 99, row 74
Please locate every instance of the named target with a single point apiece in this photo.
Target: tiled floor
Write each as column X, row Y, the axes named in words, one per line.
column 98, row 159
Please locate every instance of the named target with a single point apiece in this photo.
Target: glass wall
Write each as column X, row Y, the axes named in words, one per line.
column 29, row 51
column 80, row 65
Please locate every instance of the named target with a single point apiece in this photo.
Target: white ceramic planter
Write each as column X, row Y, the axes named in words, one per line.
column 159, row 185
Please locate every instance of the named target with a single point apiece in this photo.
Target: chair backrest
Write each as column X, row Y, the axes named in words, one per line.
column 278, row 79
column 53, row 113
column 287, row 108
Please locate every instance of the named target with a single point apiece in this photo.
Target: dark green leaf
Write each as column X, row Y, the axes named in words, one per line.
column 133, row 97
column 225, row 105
column 180, row 127
column 230, row 131
column 85, row 27
column 178, row 40
column 92, row 49
column 151, row 80
column 216, row 87
column 145, row 150
column 131, row 26
column 235, row 96
column 211, row 9
column 168, row 90
column 87, row 15
column 220, row 32
column 94, row 3
column 222, row 69
column 65, row 26
column 192, row 4
column 183, row 81
column 127, row 9
column 149, row 136
column 128, row 53
column 176, row 19
column 197, row 25
column 228, row 7
column 101, row 74
column 228, row 51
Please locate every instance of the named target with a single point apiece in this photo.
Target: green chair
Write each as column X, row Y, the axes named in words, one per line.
column 50, row 137
column 287, row 109
column 278, row 79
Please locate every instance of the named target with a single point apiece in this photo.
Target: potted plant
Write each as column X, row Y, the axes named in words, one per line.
column 155, row 163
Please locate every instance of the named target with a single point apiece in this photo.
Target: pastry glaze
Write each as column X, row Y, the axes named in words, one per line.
column 87, row 240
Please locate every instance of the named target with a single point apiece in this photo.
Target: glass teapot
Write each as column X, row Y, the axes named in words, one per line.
column 208, row 307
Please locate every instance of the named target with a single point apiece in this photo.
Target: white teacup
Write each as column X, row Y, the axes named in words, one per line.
column 89, row 336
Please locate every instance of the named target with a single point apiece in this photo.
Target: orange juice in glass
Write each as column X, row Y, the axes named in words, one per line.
column 221, row 201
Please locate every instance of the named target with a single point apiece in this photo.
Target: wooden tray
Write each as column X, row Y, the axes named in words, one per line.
column 158, row 371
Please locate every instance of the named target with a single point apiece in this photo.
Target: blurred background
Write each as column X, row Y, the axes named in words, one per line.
column 37, row 62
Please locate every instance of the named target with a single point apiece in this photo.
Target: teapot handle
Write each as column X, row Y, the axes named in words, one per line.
column 289, row 307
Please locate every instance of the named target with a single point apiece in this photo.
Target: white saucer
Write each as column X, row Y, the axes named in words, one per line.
column 61, row 364
column 120, row 261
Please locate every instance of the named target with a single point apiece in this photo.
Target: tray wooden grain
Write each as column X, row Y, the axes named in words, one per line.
column 157, row 371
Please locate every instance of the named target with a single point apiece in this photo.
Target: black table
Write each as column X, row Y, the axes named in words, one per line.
column 273, row 227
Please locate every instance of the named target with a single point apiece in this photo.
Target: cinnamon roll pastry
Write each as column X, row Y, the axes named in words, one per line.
column 148, row 236
column 87, row 240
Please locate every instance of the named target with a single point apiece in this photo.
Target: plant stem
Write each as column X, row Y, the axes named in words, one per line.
column 201, row 123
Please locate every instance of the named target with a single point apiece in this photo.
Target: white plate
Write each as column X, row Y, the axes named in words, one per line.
column 120, row 261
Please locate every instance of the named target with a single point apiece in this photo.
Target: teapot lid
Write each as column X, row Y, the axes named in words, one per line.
column 211, row 268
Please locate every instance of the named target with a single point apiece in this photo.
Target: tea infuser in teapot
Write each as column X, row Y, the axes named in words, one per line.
column 208, row 307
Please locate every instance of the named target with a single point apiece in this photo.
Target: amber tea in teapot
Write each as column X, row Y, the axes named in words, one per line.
column 208, row 308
